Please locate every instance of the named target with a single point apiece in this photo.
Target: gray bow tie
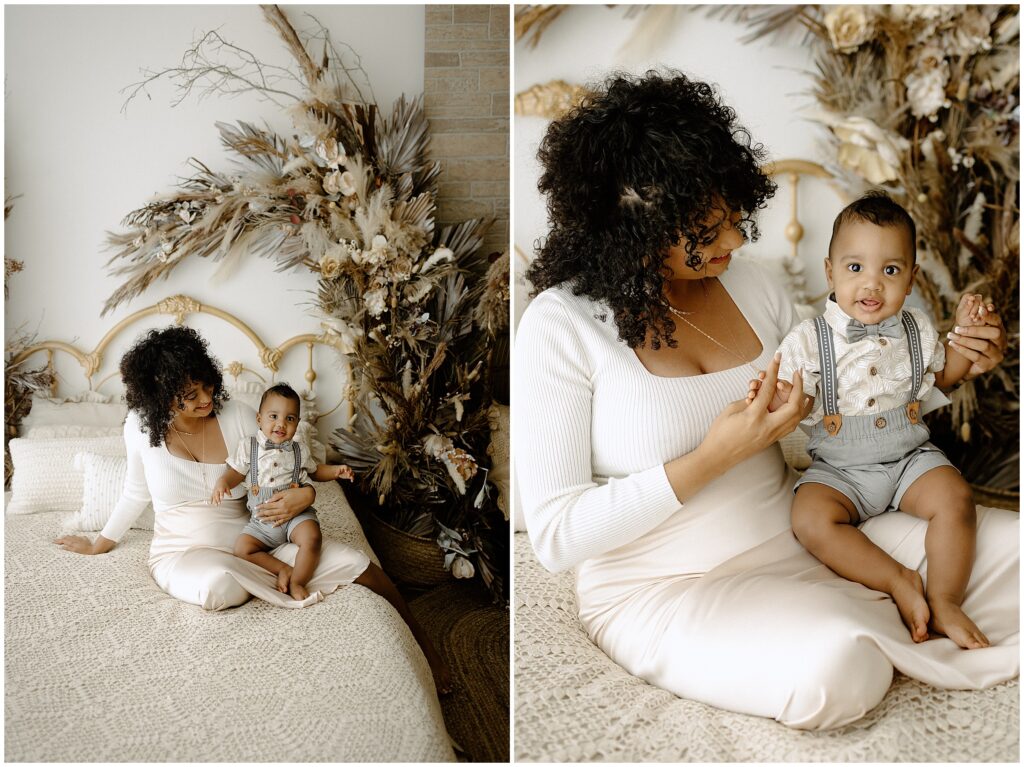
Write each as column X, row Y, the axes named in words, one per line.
column 857, row 330
column 268, row 445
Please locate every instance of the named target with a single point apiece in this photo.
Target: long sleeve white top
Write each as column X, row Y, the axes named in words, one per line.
column 594, row 428
column 154, row 474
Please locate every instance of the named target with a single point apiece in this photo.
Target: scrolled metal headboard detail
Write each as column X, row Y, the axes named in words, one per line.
column 180, row 306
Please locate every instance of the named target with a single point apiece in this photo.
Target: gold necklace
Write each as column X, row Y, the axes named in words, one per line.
column 682, row 315
column 192, row 434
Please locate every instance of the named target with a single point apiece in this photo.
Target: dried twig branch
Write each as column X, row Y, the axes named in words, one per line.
column 280, row 22
column 200, row 64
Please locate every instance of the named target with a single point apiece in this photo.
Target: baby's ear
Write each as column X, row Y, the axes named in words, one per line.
column 913, row 278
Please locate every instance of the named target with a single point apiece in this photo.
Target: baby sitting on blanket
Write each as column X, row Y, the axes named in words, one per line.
column 274, row 461
column 869, row 364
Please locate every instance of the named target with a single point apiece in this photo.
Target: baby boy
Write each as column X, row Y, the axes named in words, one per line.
column 869, row 363
column 273, row 461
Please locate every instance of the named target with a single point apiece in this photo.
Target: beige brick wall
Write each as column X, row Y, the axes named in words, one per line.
column 466, row 92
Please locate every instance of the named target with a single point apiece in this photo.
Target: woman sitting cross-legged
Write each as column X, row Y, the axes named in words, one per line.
column 641, row 464
column 179, row 424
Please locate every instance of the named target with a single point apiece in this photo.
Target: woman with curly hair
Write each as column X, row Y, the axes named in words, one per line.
column 179, row 425
column 642, row 465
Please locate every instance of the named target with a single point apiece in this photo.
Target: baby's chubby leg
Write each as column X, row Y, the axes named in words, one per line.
column 943, row 498
column 824, row 521
column 307, row 537
column 254, row 550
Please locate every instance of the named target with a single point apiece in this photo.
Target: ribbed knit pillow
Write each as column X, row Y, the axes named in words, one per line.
column 103, row 483
column 45, row 478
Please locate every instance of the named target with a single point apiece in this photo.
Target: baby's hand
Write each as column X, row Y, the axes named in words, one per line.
column 782, row 391
column 972, row 310
column 219, row 491
column 343, row 472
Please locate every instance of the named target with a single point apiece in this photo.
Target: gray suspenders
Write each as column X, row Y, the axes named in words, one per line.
column 916, row 365
column 833, row 419
column 254, row 454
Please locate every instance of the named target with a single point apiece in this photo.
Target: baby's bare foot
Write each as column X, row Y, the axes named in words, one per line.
column 283, row 577
column 949, row 619
column 298, row 592
column 908, row 593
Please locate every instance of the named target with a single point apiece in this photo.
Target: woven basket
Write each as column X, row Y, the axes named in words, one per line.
column 996, row 497
column 409, row 559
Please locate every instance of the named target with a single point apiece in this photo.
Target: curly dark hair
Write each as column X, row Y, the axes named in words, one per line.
column 878, row 208
column 281, row 390
column 158, row 369
column 629, row 173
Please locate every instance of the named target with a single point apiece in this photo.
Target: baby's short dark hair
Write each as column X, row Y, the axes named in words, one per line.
column 879, row 209
column 281, row 390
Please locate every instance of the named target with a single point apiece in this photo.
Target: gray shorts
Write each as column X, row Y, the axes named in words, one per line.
column 272, row 536
column 876, row 488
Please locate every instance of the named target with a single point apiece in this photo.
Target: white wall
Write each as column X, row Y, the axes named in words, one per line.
column 80, row 165
column 766, row 83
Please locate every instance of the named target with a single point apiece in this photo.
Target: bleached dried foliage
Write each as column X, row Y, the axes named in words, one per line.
column 351, row 197
column 20, row 383
column 923, row 101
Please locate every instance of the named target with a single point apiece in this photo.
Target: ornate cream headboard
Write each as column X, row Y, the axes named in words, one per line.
column 179, row 307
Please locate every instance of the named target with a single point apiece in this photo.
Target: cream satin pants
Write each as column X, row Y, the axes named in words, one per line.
column 772, row 632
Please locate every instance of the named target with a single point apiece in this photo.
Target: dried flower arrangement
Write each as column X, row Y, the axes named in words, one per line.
column 416, row 311
column 923, row 101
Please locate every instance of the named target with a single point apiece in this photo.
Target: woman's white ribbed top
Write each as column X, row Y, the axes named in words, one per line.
column 154, row 474
column 593, row 427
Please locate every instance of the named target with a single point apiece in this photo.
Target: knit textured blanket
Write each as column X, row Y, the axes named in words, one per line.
column 102, row 666
column 573, row 703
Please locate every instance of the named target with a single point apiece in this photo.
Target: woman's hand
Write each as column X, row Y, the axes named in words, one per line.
column 285, row 504
column 79, row 544
column 749, row 426
column 985, row 344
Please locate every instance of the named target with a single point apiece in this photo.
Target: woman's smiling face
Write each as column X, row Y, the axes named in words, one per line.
column 196, row 401
column 713, row 253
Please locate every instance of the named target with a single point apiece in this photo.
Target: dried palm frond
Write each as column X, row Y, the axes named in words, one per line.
column 532, row 20
column 402, row 139
column 775, row 22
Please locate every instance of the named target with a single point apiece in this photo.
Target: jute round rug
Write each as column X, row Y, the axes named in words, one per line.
column 473, row 636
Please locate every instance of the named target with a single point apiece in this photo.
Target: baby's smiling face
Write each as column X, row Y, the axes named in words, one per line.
column 278, row 418
column 871, row 270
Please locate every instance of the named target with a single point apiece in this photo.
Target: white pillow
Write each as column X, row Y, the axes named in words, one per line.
column 45, row 478
column 247, row 392
column 251, row 392
column 306, row 434
column 71, row 430
column 103, row 483
column 68, row 412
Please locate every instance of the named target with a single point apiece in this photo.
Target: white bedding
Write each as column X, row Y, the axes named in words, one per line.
column 573, row 703
column 101, row 665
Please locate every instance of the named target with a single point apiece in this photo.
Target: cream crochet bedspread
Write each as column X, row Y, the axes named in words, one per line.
column 103, row 666
column 573, row 703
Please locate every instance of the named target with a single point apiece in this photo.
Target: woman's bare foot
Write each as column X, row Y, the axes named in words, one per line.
column 949, row 619
column 442, row 673
column 298, row 592
column 908, row 593
column 283, row 576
